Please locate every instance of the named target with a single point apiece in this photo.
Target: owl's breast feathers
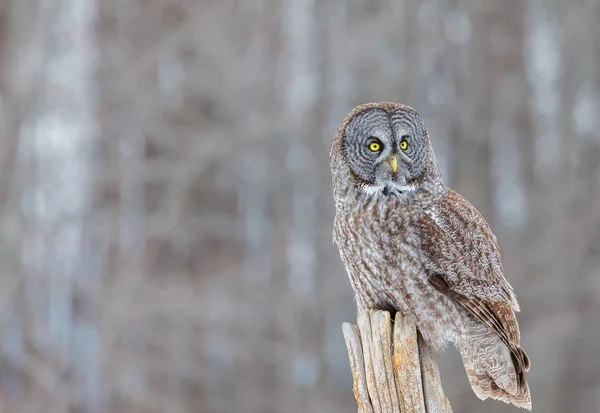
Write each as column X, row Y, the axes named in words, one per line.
column 462, row 257
column 380, row 247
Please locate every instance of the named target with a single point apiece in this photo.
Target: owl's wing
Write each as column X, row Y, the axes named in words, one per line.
column 463, row 258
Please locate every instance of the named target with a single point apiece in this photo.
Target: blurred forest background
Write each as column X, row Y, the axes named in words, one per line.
column 166, row 205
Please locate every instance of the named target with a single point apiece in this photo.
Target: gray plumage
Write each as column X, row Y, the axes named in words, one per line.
column 411, row 244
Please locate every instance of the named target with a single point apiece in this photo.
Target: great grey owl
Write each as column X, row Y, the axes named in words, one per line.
column 411, row 244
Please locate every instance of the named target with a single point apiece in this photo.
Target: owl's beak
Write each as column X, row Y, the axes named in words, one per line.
column 394, row 162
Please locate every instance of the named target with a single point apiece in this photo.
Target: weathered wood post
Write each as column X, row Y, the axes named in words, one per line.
column 393, row 369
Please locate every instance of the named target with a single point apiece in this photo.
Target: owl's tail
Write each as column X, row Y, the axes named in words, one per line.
column 493, row 369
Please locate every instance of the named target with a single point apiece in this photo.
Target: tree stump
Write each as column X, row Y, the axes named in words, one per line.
column 393, row 369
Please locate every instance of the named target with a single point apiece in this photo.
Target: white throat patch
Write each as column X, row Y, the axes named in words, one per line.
column 392, row 188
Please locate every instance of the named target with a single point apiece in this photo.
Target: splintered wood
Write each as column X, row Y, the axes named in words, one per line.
column 394, row 370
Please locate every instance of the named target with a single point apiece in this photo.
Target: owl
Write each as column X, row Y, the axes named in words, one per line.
column 411, row 244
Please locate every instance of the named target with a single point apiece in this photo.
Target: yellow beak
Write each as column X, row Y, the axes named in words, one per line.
column 394, row 162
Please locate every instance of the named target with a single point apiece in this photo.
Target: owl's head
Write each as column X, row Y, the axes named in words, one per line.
column 385, row 149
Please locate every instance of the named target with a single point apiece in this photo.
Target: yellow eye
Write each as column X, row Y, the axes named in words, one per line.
column 403, row 145
column 374, row 147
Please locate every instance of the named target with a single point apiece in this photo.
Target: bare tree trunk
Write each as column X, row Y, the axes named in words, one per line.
column 50, row 71
column 394, row 370
column 300, row 26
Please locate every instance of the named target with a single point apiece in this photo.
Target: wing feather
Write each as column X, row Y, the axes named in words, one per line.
column 463, row 258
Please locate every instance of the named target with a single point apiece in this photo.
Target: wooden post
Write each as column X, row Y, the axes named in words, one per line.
column 393, row 369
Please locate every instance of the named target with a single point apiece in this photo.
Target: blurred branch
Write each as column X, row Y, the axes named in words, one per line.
column 393, row 369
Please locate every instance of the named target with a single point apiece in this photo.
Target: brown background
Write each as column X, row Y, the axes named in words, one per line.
column 166, row 205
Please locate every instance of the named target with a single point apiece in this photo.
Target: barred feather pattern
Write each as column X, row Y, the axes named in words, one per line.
column 463, row 261
column 490, row 366
column 426, row 252
column 392, row 275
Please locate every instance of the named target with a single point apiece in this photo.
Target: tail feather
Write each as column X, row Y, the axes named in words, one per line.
column 493, row 369
column 483, row 386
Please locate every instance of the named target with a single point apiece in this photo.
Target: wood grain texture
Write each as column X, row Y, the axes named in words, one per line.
column 407, row 365
column 393, row 369
column 435, row 399
column 364, row 326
